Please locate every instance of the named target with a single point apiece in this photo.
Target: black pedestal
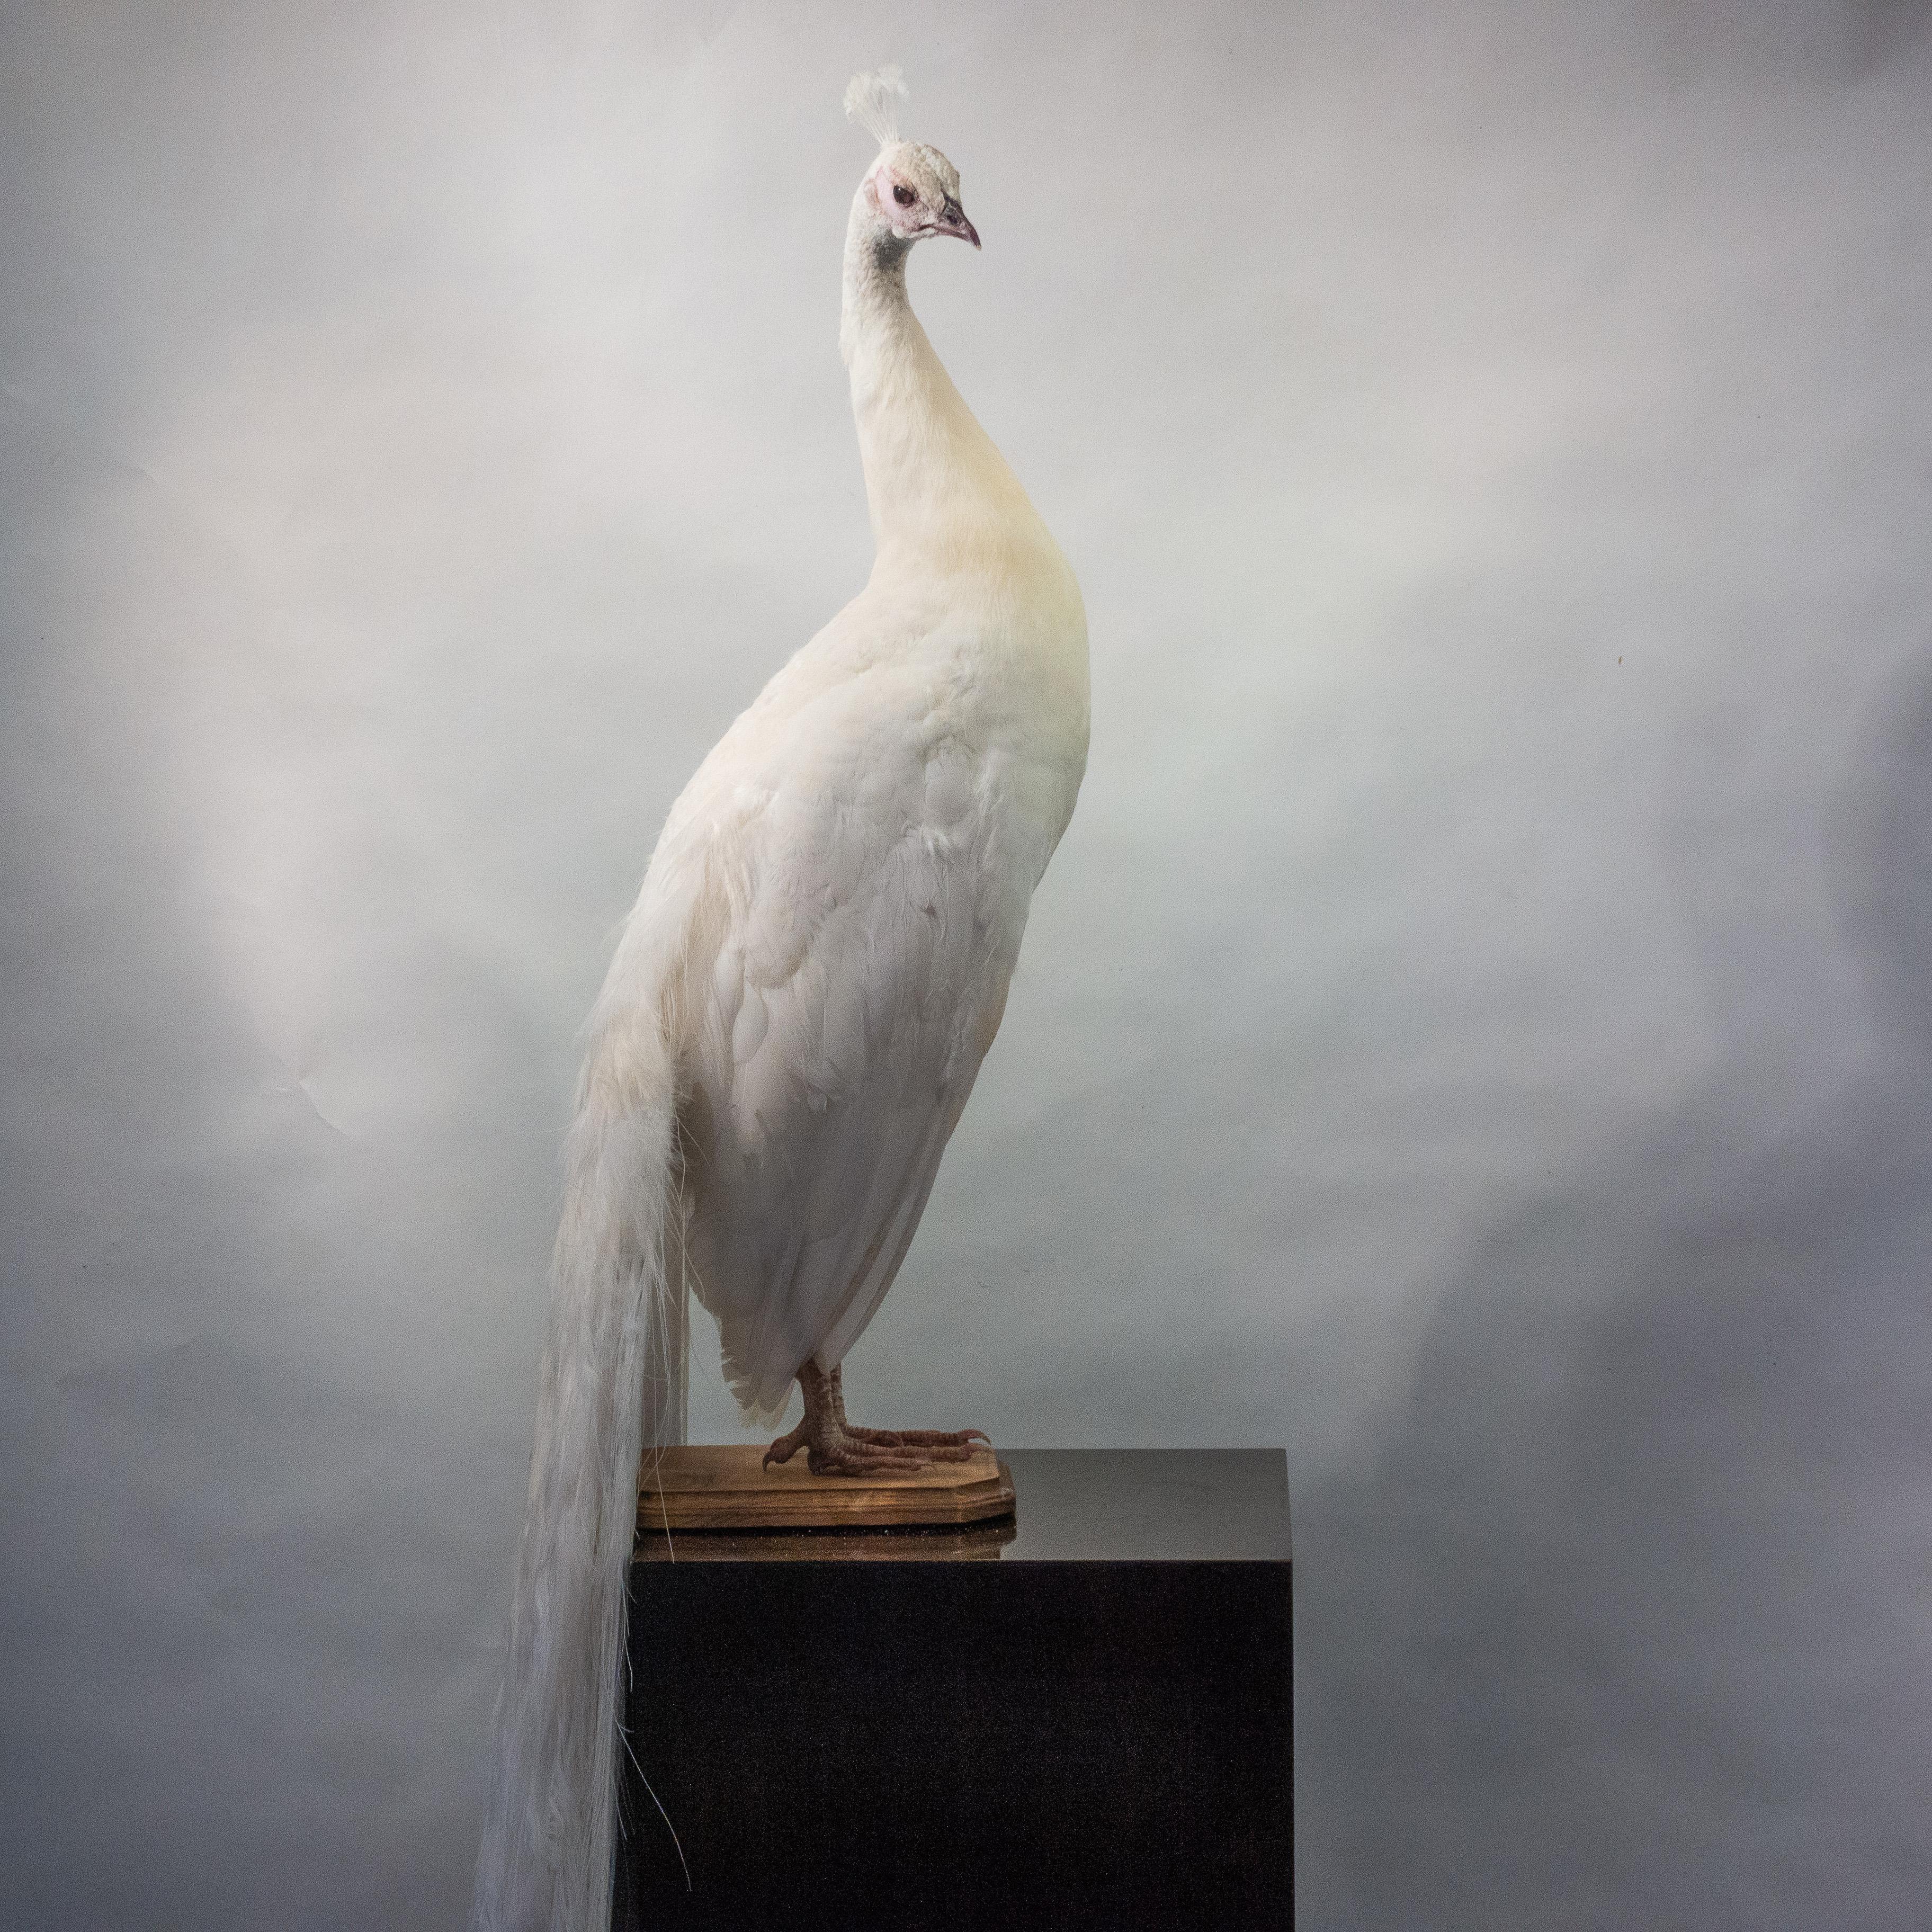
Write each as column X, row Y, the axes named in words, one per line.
column 1092, row 1729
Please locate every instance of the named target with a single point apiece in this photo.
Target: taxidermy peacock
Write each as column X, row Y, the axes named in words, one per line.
column 798, row 1007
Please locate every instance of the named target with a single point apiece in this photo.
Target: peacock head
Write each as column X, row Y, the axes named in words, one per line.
column 913, row 190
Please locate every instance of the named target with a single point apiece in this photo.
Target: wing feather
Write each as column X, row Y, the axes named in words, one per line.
column 857, row 962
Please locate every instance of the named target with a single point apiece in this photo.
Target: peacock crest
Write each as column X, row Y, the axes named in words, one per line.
column 873, row 99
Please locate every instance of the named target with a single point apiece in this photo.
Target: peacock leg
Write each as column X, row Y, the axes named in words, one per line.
column 835, row 1448
column 959, row 1439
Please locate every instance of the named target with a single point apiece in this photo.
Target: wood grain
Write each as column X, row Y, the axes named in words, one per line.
column 884, row 1543
column 722, row 1486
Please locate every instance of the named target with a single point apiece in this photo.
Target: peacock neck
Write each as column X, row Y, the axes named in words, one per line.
column 941, row 496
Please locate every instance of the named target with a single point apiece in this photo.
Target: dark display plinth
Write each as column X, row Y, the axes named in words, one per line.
column 1075, row 1718
column 1079, row 1718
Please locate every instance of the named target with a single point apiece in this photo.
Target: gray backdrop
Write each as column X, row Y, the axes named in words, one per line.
column 1477, row 1031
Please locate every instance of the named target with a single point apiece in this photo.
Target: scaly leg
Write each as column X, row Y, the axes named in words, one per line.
column 834, row 1447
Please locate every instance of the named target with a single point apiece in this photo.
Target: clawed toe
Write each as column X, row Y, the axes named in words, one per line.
column 851, row 1454
column 837, row 1447
column 919, row 1439
column 861, row 1458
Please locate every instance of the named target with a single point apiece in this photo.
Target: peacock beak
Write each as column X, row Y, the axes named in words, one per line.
column 952, row 221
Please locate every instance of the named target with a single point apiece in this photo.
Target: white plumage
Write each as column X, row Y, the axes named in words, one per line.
column 798, row 1007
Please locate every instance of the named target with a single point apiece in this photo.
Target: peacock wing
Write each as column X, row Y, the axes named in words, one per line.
column 866, row 946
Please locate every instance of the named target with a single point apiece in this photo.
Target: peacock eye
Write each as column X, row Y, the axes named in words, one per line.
column 903, row 195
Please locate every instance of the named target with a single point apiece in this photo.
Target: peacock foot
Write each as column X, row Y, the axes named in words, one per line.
column 836, row 1447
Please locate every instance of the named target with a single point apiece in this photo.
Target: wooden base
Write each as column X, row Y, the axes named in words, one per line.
column 893, row 1543
column 723, row 1485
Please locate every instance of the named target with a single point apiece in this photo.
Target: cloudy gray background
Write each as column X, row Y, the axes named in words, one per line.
column 1477, row 1032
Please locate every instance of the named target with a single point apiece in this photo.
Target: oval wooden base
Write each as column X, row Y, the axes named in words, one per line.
column 723, row 1485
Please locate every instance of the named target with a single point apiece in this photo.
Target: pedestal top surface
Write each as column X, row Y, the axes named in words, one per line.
column 1149, row 1506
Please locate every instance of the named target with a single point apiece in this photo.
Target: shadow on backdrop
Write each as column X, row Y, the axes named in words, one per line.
column 1625, row 1623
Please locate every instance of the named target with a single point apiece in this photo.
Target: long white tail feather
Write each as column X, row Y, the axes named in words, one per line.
column 614, row 1378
